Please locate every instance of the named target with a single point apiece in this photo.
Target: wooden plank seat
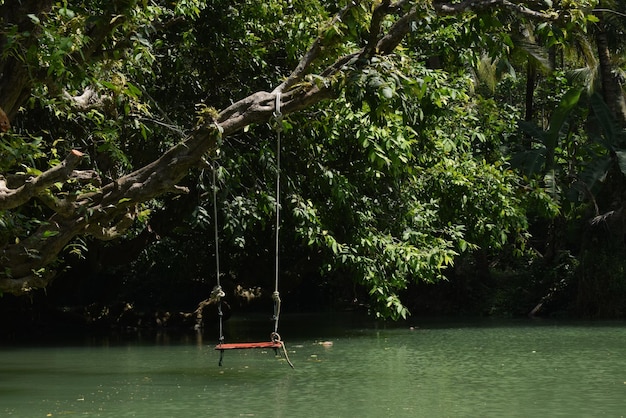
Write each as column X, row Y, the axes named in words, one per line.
column 241, row 346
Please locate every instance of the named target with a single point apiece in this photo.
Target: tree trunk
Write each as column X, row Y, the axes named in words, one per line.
column 611, row 87
column 15, row 81
column 531, row 73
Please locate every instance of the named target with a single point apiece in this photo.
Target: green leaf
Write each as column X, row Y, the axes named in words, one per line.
column 33, row 18
column 607, row 123
column 387, row 92
column 68, row 13
column 33, row 171
column 568, row 102
column 48, row 234
column 109, row 85
column 621, row 160
column 132, row 90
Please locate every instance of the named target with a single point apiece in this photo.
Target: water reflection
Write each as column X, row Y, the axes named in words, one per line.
column 486, row 369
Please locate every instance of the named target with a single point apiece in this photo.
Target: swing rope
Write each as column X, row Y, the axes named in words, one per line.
column 278, row 120
column 217, row 294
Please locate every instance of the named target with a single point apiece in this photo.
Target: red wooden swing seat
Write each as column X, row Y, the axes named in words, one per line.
column 241, row 346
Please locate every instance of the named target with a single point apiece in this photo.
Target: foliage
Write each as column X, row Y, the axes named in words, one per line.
column 413, row 164
column 395, row 196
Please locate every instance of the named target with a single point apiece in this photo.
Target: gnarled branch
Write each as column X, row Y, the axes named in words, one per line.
column 12, row 198
column 466, row 5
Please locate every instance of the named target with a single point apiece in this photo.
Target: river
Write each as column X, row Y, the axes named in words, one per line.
column 425, row 368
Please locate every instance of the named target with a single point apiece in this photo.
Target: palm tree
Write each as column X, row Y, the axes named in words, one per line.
column 609, row 40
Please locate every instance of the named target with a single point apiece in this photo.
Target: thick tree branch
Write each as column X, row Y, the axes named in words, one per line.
column 388, row 43
column 108, row 233
column 12, row 198
column 14, row 181
column 25, row 284
column 378, row 15
column 466, row 5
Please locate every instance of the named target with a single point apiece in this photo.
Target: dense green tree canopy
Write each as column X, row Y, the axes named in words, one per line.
column 401, row 142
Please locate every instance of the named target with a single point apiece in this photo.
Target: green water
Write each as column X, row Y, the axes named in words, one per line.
column 439, row 369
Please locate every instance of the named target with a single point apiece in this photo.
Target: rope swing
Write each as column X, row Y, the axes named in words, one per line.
column 278, row 120
column 217, row 294
column 275, row 340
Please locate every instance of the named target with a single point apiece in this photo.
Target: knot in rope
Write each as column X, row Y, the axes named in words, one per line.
column 275, row 338
column 278, row 116
column 276, row 298
column 217, row 294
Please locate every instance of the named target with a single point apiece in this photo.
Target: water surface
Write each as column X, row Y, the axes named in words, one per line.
column 437, row 369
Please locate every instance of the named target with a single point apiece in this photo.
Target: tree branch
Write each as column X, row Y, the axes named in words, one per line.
column 12, row 198
column 108, row 233
column 25, row 284
column 388, row 43
column 314, row 50
column 466, row 5
column 378, row 15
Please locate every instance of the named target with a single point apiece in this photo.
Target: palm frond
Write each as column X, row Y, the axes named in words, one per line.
column 537, row 53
